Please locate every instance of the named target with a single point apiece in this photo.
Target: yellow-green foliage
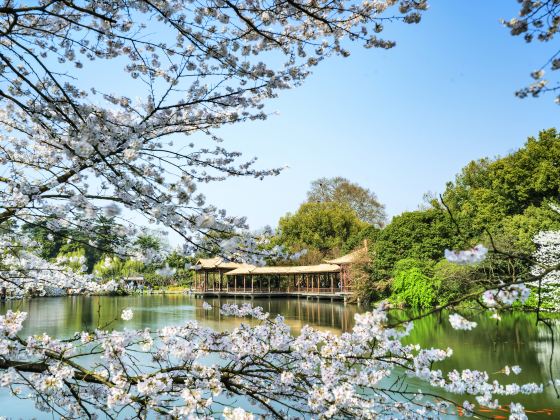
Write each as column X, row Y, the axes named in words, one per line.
column 131, row 268
column 75, row 260
column 455, row 280
column 414, row 289
column 108, row 267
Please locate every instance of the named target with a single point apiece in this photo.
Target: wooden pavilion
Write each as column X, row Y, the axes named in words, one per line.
column 345, row 262
column 332, row 278
column 209, row 273
column 321, row 278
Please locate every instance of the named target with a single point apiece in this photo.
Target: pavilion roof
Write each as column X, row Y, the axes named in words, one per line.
column 346, row 259
column 216, row 262
column 283, row 270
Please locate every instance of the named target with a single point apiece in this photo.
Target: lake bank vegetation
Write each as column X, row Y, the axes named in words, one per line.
column 502, row 203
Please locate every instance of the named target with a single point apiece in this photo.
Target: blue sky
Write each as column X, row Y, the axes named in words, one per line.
column 401, row 122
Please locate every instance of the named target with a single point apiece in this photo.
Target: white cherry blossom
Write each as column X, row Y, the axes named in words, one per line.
column 127, row 314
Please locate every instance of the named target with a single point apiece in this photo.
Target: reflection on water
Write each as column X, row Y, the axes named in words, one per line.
column 516, row 340
column 63, row 316
column 492, row 345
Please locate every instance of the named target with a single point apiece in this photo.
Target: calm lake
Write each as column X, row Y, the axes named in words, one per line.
column 515, row 340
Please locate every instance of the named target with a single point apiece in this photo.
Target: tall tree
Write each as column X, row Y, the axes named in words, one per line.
column 488, row 192
column 322, row 226
column 340, row 190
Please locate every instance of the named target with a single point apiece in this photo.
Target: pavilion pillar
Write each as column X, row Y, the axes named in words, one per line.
column 332, row 282
column 252, row 284
column 244, row 284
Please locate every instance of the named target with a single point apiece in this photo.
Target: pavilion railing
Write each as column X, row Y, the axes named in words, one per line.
column 291, row 289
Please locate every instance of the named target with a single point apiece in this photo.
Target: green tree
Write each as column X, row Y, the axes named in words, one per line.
column 363, row 289
column 368, row 234
column 322, row 226
column 146, row 242
column 109, row 267
column 50, row 243
column 340, row 190
column 487, row 192
column 455, row 280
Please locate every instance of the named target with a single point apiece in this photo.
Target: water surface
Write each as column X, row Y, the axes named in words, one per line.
column 516, row 340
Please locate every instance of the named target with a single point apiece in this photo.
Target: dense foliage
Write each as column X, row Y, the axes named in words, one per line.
column 487, row 193
column 106, row 231
column 502, row 202
column 111, row 256
column 422, row 234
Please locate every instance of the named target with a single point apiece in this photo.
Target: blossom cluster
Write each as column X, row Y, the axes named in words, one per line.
column 471, row 256
column 460, row 323
column 24, row 273
column 537, row 23
column 190, row 370
column 506, row 295
column 547, row 258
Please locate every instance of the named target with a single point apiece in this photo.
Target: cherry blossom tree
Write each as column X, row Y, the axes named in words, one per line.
column 70, row 151
column 548, row 255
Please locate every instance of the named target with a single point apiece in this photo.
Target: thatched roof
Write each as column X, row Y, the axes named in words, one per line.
column 216, row 262
column 284, row 270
